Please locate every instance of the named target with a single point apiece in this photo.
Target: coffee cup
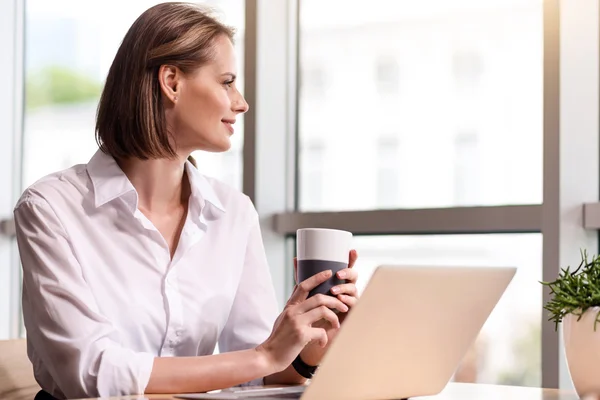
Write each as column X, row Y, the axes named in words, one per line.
column 320, row 249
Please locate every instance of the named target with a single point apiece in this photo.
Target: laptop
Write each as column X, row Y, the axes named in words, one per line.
column 404, row 338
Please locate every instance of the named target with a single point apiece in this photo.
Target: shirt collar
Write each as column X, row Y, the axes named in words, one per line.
column 202, row 190
column 110, row 182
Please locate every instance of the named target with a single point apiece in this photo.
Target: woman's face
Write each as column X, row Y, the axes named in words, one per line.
column 201, row 107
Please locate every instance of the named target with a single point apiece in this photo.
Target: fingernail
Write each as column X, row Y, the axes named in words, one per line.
column 335, row 290
column 327, row 273
column 341, row 274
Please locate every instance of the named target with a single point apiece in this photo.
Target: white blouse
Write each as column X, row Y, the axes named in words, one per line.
column 101, row 295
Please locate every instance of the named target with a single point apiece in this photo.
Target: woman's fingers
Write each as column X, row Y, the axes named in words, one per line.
column 350, row 301
column 352, row 258
column 348, row 274
column 301, row 291
column 345, row 288
column 319, row 313
column 318, row 335
column 319, row 300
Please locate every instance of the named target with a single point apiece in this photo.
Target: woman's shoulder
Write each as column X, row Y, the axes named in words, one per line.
column 67, row 183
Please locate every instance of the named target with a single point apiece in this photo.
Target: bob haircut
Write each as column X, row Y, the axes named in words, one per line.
column 131, row 118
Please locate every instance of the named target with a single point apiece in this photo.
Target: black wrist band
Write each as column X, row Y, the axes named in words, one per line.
column 303, row 368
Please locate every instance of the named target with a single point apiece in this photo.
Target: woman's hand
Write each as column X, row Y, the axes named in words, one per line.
column 346, row 293
column 294, row 328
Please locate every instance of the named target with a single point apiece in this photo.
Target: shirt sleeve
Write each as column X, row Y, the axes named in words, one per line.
column 255, row 307
column 64, row 325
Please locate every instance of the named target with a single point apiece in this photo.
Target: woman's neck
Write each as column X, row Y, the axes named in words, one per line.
column 160, row 184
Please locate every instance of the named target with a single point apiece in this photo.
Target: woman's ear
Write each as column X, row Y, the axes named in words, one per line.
column 169, row 78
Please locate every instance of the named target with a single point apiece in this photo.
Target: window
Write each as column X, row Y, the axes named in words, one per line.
column 69, row 47
column 508, row 350
column 312, row 159
column 467, row 67
column 231, row 169
column 440, row 53
column 387, row 172
column 312, row 79
column 466, row 172
column 387, row 75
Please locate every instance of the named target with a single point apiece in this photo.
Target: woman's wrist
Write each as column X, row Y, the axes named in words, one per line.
column 312, row 354
column 264, row 361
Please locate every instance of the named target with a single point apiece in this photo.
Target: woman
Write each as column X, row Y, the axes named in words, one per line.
column 135, row 265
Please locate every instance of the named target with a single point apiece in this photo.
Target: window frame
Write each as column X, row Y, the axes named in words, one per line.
column 11, row 126
column 566, row 138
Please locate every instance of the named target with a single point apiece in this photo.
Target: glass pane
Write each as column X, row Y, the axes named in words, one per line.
column 70, row 45
column 508, row 349
column 455, row 87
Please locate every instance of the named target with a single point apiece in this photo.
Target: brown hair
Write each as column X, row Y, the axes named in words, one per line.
column 131, row 117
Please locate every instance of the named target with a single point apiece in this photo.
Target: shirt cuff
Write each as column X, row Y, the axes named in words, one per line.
column 124, row 372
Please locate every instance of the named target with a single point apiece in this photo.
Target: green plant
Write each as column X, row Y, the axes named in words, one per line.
column 575, row 292
column 55, row 85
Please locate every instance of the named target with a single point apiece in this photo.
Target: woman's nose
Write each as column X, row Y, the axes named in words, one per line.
column 240, row 105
